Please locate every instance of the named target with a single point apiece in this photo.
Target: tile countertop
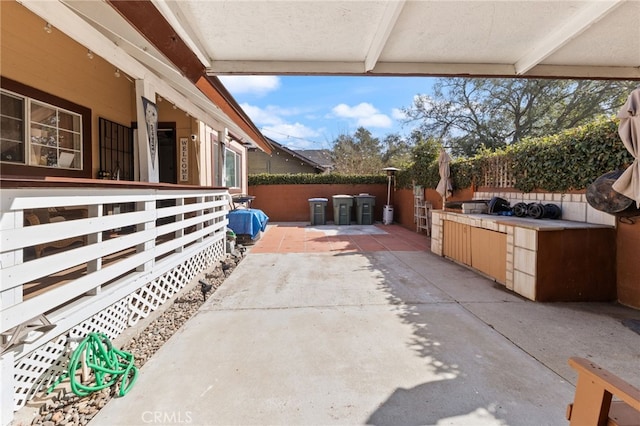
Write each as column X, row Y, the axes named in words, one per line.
column 528, row 222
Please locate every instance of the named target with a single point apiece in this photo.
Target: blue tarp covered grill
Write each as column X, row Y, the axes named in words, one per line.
column 248, row 222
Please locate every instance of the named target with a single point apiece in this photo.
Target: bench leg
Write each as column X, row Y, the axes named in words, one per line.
column 591, row 404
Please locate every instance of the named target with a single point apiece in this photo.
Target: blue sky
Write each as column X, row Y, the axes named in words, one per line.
column 310, row 112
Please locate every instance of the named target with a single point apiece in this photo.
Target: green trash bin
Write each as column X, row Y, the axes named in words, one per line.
column 364, row 209
column 342, row 209
column 317, row 207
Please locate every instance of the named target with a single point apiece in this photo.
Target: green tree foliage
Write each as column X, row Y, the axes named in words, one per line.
column 359, row 153
column 469, row 114
column 397, row 151
column 424, row 168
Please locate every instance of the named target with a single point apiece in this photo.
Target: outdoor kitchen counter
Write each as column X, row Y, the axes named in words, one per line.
column 537, row 224
column 540, row 259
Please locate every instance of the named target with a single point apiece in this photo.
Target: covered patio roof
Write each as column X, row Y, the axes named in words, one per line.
column 185, row 44
column 531, row 38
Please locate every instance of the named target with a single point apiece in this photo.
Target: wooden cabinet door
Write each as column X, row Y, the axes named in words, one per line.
column 456, row 242
column 489, row 253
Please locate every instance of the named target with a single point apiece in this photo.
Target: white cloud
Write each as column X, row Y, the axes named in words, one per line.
column 361, row 110
column 269, row 115
column 375, row 120
column 365, row 115
column 261, row 116
column 398, row 114
column 295, row 130
column 272, row 123
column 258, row 85
column 294, row 136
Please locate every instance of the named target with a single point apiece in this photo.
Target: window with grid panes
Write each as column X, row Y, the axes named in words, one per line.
column 39, row 134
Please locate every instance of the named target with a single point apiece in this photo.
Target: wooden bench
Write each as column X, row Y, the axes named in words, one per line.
column 593, row 405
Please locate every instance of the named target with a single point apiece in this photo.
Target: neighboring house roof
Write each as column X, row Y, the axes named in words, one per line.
column 318, row 156
column 297, row 154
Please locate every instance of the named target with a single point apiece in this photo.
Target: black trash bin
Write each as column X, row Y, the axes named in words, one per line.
column 317, row 208
column 364, row 209
column 342, row 209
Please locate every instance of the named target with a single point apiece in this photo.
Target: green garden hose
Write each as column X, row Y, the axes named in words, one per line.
column 109, row 365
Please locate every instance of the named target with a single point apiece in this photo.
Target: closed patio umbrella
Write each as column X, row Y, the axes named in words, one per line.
column 444, row 187
column 628, row 184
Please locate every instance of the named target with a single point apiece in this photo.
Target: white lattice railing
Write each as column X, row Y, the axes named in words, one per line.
column 134, row 249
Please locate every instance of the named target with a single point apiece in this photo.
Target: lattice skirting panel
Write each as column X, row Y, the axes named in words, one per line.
column 156, row 293
column 40, row 369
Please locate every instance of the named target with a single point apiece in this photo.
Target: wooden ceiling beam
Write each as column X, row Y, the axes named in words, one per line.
column 569, row 30
column 385, row 27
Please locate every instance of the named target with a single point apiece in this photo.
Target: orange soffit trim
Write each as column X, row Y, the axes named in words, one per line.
column 210, row 92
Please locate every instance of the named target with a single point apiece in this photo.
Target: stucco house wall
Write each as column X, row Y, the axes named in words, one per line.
column 55, row 64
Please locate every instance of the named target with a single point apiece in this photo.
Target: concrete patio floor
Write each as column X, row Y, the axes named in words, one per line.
column 314, row 333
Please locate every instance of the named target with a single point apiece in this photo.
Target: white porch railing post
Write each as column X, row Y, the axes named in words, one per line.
column 11, row 220
column 95, row 238
column 200, row 212
column 7, row 362
column 145, row 226
column 179, row 218
column 210, row 199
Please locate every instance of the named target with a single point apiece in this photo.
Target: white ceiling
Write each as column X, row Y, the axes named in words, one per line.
column 534, row 38
column 551, row 38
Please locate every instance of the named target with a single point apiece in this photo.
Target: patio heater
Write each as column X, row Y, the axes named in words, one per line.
column 387, row 211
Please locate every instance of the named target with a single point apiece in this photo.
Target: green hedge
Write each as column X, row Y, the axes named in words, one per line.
column 567, row 161
column 570, row 160
column 310, row 178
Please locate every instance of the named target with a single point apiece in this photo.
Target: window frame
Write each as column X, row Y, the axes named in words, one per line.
column 237, row 157
column 15, row 119
column 116, row 150
column 28, row 170
column 34, row 128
